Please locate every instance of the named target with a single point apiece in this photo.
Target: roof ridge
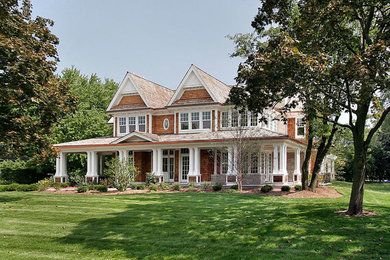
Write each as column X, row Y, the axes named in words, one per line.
column 211, row 75
column 139, row 76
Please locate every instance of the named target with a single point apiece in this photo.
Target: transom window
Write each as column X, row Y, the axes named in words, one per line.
column 195, row 120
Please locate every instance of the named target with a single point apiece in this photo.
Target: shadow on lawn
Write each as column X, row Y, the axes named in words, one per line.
column 231, row 226
column 6, row 199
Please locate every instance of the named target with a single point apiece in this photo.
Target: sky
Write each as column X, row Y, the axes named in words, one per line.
column 156, row 39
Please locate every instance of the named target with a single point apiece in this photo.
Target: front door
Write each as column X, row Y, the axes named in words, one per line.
column 184, row 164
column 169, row 165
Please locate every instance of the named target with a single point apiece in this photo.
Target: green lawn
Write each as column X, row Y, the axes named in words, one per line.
column 190, row 225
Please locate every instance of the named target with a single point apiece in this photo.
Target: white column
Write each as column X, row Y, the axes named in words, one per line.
column 197, row 163
column 159, row 163
column 283, row 159
column 191, row 155
column 230, row 160
column 154, row 155
column 61, row 167
column 235, row 160
column 58, row 165
column 215, row 161
column 297, row 161
column 276, row 160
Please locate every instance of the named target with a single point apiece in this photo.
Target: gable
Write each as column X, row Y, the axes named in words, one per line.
column 192, row 81
column 134, row 139
column 201, row 95
column 132, row 100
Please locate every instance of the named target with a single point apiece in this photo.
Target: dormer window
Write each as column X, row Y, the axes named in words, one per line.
column 300, row 128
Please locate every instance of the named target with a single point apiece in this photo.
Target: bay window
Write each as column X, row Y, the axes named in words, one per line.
column 225, row 119
column 195, row 120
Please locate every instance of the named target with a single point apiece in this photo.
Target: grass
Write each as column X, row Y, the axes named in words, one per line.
column 192, row 226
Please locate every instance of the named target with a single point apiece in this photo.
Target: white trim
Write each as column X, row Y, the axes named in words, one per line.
column 200, row 129
column 166, row 120
column 119, row 90
column 296, row 129
column 179, row 90
column 150, row 123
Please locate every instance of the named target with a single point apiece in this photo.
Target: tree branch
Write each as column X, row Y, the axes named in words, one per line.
column 376, row 127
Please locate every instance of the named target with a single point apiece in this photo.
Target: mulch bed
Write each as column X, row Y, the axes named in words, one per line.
column 322, row 192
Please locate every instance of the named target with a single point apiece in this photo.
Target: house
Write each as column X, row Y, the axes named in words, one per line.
column 188, row 135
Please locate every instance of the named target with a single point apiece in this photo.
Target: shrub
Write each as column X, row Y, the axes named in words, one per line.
column 82, row 189
column 153, row 187
column 192, row 184
column 27, row 187
column 150, row 178
column 164, row 186
column 298, row 187
column 25, row 172
column 206, row 185
column 192, row 188
column 234, row 187
column 100, row 188
column 12, row 187
column 137, row 187
column 217, row 187
column 4, row 182
column 267, row 188
column 44, row 184
column 230, row 191
column 59, row 185
column 285, row 188
column 122, row 174
column 176, row 186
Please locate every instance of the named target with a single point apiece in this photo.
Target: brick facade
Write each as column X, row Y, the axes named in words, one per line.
column 131, row 100
column 195, row 94
column 206, row 165
column 158, row 124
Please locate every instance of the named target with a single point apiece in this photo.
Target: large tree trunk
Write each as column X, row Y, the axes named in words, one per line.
column 306, row 161
column 359, row 176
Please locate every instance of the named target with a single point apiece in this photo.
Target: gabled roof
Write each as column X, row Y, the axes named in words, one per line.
column 217, row 90
column 141, row 136
column 152, row 94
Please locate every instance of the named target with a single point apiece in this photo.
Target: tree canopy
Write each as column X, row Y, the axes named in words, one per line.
column 331, row 55
column 32, row 98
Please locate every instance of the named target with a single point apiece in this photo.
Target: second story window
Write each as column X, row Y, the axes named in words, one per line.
column 142, row 123
column 184, row 121
column 225, row 119
column 253, row 119
column 206, row 120
column 234, row 119
column 122, row 125
column 195, row 120
column 132, row 124
column 300, row 128
column 244, row 119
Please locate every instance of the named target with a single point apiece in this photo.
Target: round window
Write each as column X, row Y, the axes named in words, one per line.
column 166, row 123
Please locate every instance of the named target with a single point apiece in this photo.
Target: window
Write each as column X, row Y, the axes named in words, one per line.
column 300, row 128
column 131, row 157
column 122, row 125
column 224, row 162
column 142, row 123
column 206, row 120
column 244, row 118
column 184, row 121
column 131, row 124
column 195, row 120
column 234, row 119
column 253, row 119
column 166, row 123
column 254, row 163
column 225, row 119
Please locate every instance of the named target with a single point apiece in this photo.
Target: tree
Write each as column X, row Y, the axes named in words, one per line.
column 31, row 99
column 121, row 174
column 89, row 119
column 338, row 51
